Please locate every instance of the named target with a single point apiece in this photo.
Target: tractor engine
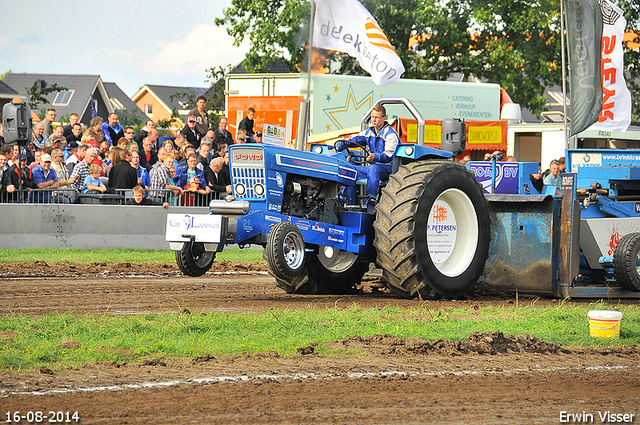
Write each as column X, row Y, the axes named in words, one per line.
column 311, row 198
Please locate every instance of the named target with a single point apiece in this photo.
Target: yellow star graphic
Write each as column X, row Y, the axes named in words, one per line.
column 344, row 113
column 328, row 127
column 335, row 89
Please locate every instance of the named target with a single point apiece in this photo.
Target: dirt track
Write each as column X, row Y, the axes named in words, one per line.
column 396, row 381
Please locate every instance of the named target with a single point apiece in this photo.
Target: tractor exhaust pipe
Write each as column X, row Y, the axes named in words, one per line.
column 223, row 207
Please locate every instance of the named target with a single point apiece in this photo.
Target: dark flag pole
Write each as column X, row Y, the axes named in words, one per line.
column 584, row 38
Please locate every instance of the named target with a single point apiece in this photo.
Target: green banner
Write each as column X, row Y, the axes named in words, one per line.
column 584, row 37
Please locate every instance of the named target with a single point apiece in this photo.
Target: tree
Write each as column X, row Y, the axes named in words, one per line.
column 215, row 76
column 271, row 26
column 131, row 119
column 515, row 43
column 632, row 56
column 38, row 92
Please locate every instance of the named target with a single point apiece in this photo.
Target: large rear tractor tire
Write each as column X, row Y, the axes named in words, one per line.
column 432, row 230
column 626, row 262
column 334, row 271
column 193, row 260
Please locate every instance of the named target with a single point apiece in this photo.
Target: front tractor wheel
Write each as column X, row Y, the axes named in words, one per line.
column 432, row 230
column 285, row 256
column 193, row 260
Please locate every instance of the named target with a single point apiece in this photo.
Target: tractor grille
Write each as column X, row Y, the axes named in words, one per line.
column 247, row 169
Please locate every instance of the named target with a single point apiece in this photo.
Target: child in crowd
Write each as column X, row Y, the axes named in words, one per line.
column 139, row 199
column 93, row 184
column 172, row 181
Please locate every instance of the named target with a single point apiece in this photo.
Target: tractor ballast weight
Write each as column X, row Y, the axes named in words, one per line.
column 429, row 235
column 582, row 243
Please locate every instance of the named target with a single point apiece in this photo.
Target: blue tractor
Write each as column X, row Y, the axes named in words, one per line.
column 429, row 234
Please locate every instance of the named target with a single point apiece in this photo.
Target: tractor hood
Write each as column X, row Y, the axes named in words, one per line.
column 290, row 161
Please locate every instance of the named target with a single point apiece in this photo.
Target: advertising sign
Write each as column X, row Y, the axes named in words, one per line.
column 507, row 176
column 205, row 228
column 272, row 135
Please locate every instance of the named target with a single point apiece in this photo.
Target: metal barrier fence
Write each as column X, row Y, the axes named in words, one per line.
column 117, row 197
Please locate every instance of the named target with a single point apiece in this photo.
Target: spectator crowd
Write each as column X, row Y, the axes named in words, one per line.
column 65, row 164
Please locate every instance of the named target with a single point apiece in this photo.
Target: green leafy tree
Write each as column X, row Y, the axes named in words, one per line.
column 131, row 119
column 272, row 27
column 215, row 102
column 632, row 56
column 515, row 43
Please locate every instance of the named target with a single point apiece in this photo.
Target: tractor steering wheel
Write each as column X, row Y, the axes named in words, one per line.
column 354, row 157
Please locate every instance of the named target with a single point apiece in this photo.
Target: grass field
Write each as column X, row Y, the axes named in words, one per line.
column 51, row 255
column 65, row 339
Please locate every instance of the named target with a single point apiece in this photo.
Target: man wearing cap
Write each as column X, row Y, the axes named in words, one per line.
column 258, row 137
column 76, row 157
column 191, row 132
column 45, row 179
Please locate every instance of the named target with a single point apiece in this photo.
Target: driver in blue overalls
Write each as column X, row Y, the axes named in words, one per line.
column 381, row 140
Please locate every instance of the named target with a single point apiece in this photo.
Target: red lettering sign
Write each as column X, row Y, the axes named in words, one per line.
column 608, row 74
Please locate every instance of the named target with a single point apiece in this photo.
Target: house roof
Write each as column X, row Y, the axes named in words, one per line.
column 164, row 93
column 277, row 67
column 82, row 87
column 6, row 92
column 119, row 101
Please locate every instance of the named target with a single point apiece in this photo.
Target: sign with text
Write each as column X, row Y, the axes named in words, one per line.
column 432, row 133
column 205, row 228
column 488, row 134
column 506, row 179
column 272, row 135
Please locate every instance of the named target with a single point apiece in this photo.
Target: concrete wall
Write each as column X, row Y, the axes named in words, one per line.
column 86, row 226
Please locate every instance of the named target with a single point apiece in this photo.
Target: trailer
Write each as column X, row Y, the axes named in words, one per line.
column 339, row 101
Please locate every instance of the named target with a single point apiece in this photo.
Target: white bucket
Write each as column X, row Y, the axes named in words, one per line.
column 604, row 323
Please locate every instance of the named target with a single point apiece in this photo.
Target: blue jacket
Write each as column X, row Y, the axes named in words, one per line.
column 144, row 175
column 382, row 144
column 182, row 180
column 110, row 133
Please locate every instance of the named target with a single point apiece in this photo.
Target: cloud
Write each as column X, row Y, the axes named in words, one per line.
column 30, row 39
column 204, row 47
column 4, row 42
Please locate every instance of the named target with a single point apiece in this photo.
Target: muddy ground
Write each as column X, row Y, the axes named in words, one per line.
column 490, row 378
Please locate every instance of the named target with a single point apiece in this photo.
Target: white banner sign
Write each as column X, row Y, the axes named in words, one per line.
column 346, row 26
column 205, row 228
column 616, row 102
column 272, row 135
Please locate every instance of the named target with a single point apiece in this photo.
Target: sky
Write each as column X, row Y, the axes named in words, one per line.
column 130, row 43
